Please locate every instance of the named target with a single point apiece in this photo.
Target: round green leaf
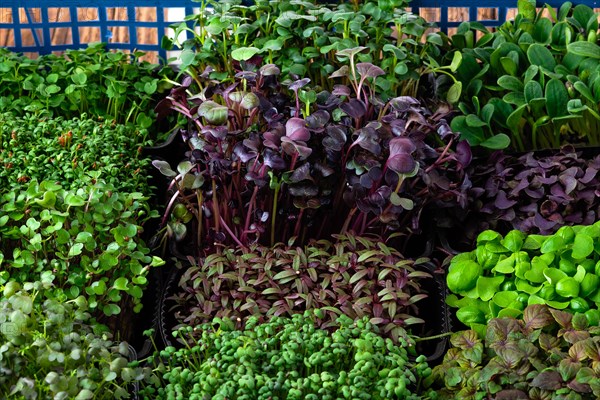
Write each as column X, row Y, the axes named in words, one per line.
column 487, row 287
column 244, row 53
column 463, row 275
column 567, row 287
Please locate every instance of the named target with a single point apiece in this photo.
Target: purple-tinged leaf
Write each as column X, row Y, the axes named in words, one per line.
column 369, row 70
column 341, row 90
column 295, row 148
column 542, row 180
column 569, row 182
column 317, row 120
column 301, row 173
column 401, row 145
column 402, row 163
column 463, row 153
column 213, row 133
column 335, row 139
column 269, row 70
column 354, row 108
column 403, row 103
column 545, row 226
column 274, row 160
column 590, row 173
column 272, row 139
column 503, row 202
column 324, row 170
column 247, row 100
column 164, row 168
column 547, row 380
column 295, row 129
column 298, row 84
column 368, row 139
column 243, row 153
column 535, row 193
column 342, row 72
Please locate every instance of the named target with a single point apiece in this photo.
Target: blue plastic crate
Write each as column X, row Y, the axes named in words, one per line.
column 30, row 18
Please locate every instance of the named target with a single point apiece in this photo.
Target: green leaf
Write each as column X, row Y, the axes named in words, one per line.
column 403, row 202
column 506, row 265
column 244, row 53
column 456, row 61
column 184, row 167
column 567, row 287
column 470, row 315
column 552, row 244
column 121, row 283
column 510, row 83
column 540, row 55
column 533, row 90
column 514, row 119
column 285, row 274
column 86, row 394
column 504, row 299
column 76, row 249
column 527, row 8
column 509, row 65
column 583, row 246
column 463, row 275
column 496, row 142
column 98, row 287
column 164, row 168
column 487, row 287
column 513, row 240
column 111, row 309
column 187, row 57
column 454, row 92
column 557, row 98
column 214, row 113
column 74, row 200
column 584, row 48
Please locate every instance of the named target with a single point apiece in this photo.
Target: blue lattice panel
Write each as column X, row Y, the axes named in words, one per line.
column 45, row 26
column 449, row 14
column 55, row 25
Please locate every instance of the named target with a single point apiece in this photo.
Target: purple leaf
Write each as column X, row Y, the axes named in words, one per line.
column 545, row 226
column 463, row 153
column 569, row 181
column 335, row 139
column 403, row 103
column 295, row 129
column 402, row 163
column 368, row 139
column 274, row 160
column 354, row 108
column 341, row 90
column 292, row 148
column 369, row 70
column 590, row 173
column 317, row 120
column 243, row 153
column 324, row 170
column 298, row 84
column 502, row 201
column 301, row 173
column 548, row 207
column 401, row 145
column 534, row 193
column 542, row 180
